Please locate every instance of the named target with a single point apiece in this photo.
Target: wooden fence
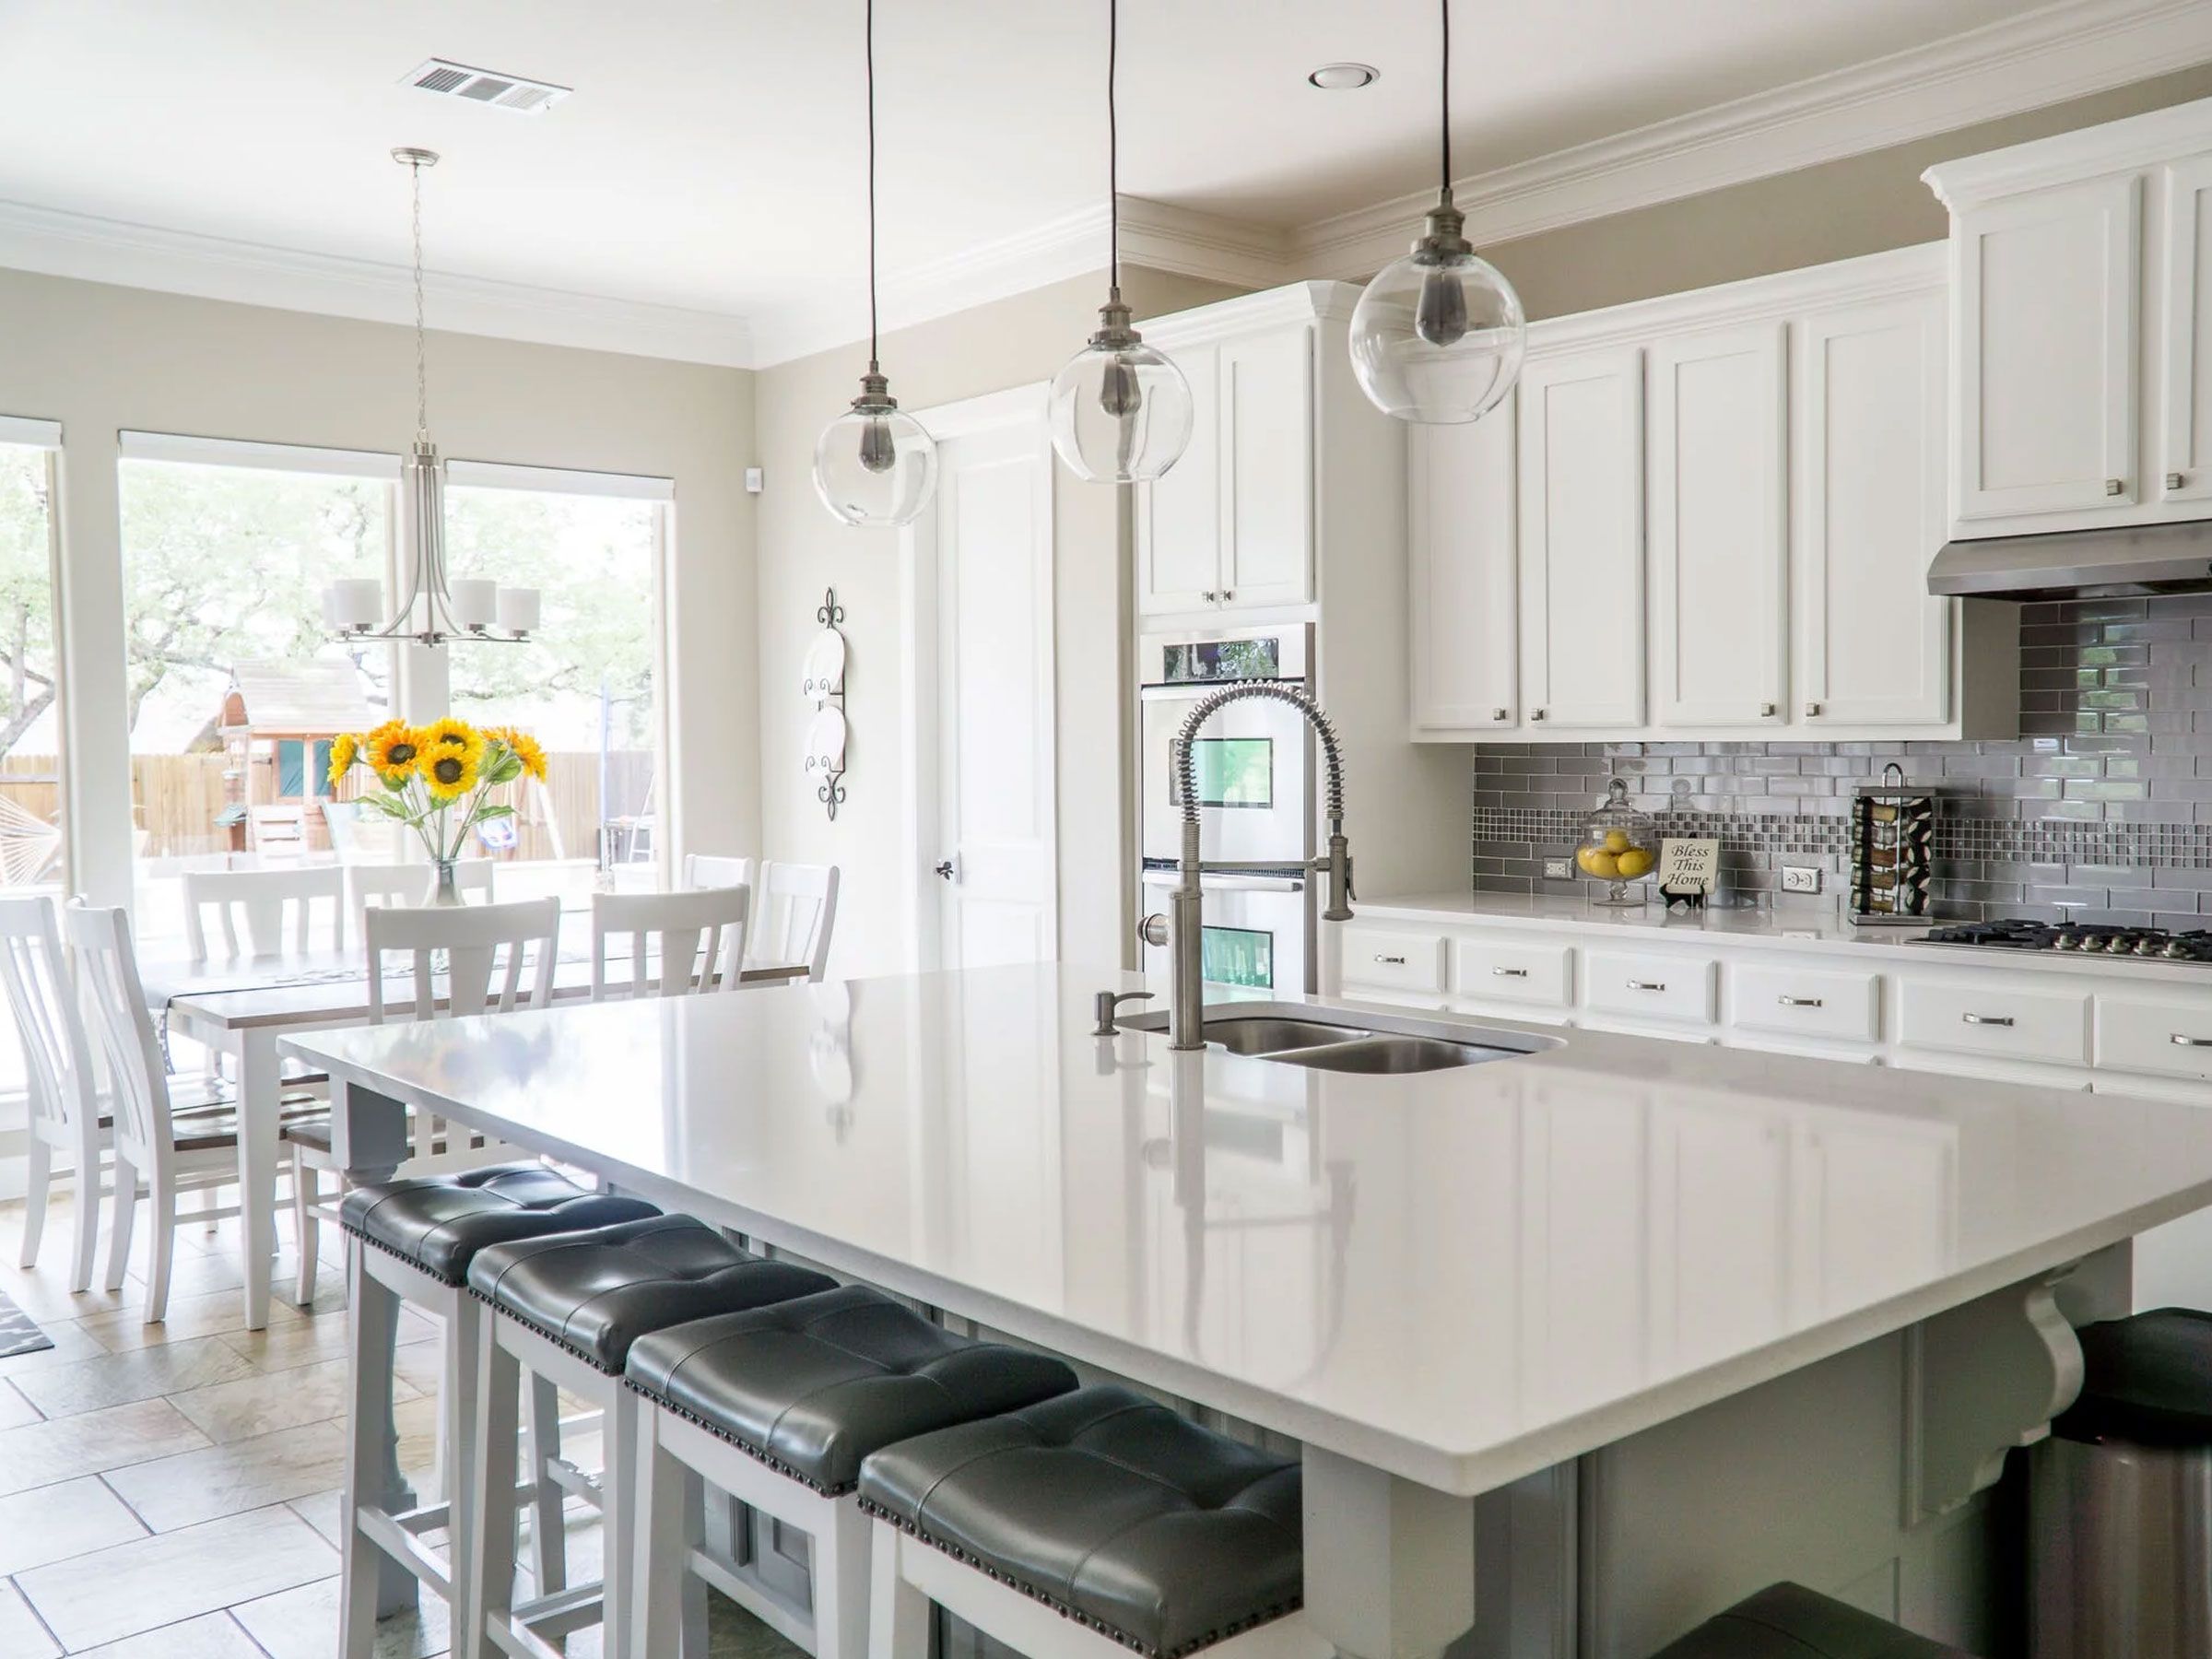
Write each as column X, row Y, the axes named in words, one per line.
column 177, row 798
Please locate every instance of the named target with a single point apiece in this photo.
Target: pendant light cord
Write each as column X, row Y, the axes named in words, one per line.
column 422, row 367
column 871, row 58
column 1113, row 153
column 1445, row 101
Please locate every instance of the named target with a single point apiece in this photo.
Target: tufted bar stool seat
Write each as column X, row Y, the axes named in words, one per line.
column 778, row 1406
column 1093, row 1521
column 1788, row 1621
column 567, row 1308
column 411, row 1241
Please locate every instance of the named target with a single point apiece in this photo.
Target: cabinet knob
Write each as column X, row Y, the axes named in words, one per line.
column 1812, row 711
column 1536, row 714
column 1501, row 715
column 1209, row 595
column 2115, row 487
column 1227, row 594
column 2174, row 481
column 1766, row 711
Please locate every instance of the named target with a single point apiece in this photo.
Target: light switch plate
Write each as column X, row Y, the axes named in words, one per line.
column 1559, row 869
column 1800, row 878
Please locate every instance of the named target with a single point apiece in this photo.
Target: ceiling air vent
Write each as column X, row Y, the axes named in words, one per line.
column 485, row 87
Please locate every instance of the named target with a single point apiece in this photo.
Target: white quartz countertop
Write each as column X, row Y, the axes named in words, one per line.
column 1461, row 1277
column 1789, row 924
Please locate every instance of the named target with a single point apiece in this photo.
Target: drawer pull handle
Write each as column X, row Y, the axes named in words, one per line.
column 1647, row 985
column 1991, row 1020
column 1392, row 962
column 1522, row 974
column 1800, row 1001
column 2182, row 1040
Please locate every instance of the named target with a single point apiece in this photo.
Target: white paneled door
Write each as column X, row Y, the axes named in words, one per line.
column 984, row 554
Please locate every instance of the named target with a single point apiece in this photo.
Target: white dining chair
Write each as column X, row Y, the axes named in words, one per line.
column 795, row 910
column 380, row 886
column 67, row 1139
column 266, row 913
column 677, row 943
column 714, row 870
column 155, row 1151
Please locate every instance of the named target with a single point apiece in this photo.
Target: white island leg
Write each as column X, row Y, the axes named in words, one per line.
column 259, row 1093
column 1390, row 1564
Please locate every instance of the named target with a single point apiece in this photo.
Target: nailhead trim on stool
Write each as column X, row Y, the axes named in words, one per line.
column 437, row 1223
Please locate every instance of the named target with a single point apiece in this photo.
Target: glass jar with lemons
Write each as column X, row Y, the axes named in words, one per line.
column 1619, row 846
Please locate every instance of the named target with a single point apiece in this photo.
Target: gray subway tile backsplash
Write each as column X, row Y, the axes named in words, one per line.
column 2101, row 808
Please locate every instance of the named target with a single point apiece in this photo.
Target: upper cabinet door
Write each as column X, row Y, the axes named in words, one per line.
column 2185, row 440
column 1718, row 526
column 1874, row 645
column 1582, row 540
column 1266, row 424
column 2047, row 375
column 1463, row 621
column 1178, row 514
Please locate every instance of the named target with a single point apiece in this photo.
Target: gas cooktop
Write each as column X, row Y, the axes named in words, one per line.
column 2086, row 937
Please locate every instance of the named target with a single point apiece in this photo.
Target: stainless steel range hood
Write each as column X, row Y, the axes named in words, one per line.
column 2079, row 564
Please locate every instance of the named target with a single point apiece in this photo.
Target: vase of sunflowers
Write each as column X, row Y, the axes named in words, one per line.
column 438, row 781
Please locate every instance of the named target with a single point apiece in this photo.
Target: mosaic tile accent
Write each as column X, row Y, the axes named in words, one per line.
column 2101, row 810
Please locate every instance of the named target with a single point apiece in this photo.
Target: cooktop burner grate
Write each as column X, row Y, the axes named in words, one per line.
column 2087, row 938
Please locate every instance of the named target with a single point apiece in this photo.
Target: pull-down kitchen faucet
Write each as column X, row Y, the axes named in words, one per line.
column 1185, row 933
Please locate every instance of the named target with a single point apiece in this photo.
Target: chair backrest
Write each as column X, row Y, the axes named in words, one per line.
column 794, row 907
column 360, row 836
column 486, row 947
column 689, row 941
column 43, row 999
column 277, row 832
column 713, row 870
column 122, row 1031
column 374, row 886
column 266, row 901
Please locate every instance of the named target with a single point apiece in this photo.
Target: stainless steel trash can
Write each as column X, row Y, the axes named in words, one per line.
column 2121, row 1498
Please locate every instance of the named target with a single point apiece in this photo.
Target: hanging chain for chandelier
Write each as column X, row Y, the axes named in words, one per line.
column 1121, row 411
column 875, row 464
column 435, row 609
column 1437, row 335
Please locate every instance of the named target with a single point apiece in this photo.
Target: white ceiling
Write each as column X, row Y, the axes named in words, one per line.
column 710, row 157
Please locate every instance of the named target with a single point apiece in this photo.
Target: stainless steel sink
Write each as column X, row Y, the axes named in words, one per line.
column 1377, row 1045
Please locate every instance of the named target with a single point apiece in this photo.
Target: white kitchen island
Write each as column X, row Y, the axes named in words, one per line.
column 1582, row 1345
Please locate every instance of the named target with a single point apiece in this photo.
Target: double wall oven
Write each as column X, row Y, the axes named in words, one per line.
column 1253, row 765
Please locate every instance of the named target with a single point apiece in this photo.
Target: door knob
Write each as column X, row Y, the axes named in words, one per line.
column 944, row 868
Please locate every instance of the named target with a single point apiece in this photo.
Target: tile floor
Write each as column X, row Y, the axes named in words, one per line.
column 170, row 1491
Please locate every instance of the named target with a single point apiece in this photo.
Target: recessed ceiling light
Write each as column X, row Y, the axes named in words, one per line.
column 1343, row 77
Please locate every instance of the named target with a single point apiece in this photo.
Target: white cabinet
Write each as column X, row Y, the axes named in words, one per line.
column 1874, row 647
column 1230, row 524
column 2184, row 460
column 1718, row 527
column 2047, row 312
column 1582, row 540
column 1463, row 628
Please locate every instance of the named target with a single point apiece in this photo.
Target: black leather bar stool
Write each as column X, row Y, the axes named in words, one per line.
column 411, row 1241
column 1788, row 1621
column 778, row 1406
column 566, row 1309
column 1093, row 1523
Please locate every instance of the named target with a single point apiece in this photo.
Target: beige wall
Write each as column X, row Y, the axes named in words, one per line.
column 100, row 358
column 803, row 549
column 1865, row 205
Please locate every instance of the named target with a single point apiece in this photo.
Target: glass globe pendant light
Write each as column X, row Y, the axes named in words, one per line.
column 875, row 465
column 1437, row 335
column 1121, row 411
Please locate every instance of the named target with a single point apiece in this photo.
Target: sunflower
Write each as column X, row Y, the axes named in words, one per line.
column 395, row 750
column 525, row 748
column 449, row 772
column 454, row 734
column 344, row 749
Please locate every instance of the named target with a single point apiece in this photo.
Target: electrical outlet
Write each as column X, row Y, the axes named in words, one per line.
column 1800, row 878
column 1559, row 869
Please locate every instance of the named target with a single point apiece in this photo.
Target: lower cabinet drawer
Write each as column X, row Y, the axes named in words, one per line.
column 2165, row 1036
column 1649, row 987
column 1808, row 1001
column 1520, row 973
column 1394, row 960
column 2048, row 1026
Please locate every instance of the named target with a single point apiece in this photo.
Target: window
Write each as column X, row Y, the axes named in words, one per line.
column 30, row 730
column 586, row 688
column 234, row 689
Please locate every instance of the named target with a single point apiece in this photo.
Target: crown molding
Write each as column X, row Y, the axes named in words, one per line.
column 2070, row 158
column 2041, row 57
column 55, row 243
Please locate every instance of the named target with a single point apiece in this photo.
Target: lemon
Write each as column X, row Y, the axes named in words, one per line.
column 1616, row 840
column 1633, row 863
column 1603, row 864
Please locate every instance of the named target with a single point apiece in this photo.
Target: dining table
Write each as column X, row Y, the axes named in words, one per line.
column 239, row 1007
